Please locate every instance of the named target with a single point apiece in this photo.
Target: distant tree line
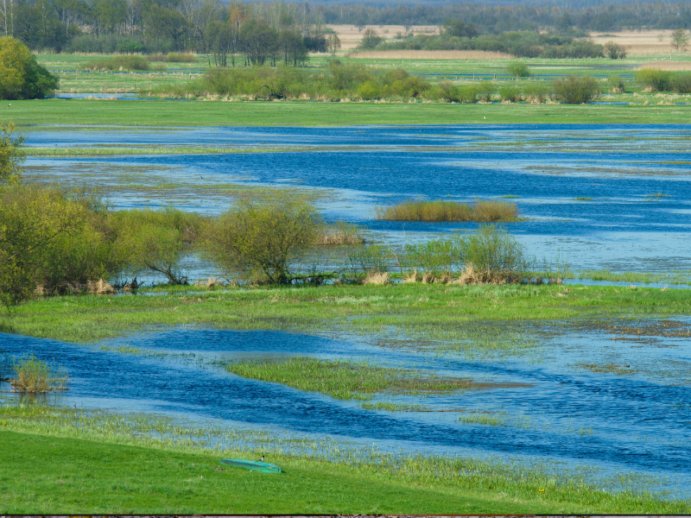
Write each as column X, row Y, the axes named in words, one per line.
column 261, row 32
column 210, row 26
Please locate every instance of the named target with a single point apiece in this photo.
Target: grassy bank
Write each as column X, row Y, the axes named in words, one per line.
column 440, row 210
column 116, row 464
column 410, row 311
column 347, row 380
column 163, row 113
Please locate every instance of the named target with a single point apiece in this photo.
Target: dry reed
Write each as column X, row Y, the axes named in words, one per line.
column 439, row 210
column 430, row 54
column 376, row 278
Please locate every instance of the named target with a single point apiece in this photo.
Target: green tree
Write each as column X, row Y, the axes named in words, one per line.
column 11, row 155
column 614, row 51
column 576, row 90
column 518, row 69
column 21, row 77
column 260, row 241
column 680, row 40
column 370, row 39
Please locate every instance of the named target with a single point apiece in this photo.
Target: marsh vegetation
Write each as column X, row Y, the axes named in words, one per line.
column 440, row 210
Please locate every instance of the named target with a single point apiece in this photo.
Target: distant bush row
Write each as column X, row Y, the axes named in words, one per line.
column 665, row 81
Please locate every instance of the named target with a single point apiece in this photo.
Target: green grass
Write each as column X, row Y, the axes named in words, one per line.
column 620, row 370
column 440, row 210
column 675, row 277
column 347, row 380
column 161, row 113
column 156, row 150
column 463, row 317
column 59, row 460
column 395, row 407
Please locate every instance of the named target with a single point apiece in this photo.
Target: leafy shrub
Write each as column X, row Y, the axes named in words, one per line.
column 370, row 39
column 492, row 249
column 655, row 80
column 682, row 83
column 518, row 69
column 259, row 241
column 118, row 63
column 129, row 46
column 576, row 90
column 11, row 155
column 614, row 51
column 371, row 258
column 536, row 91
column 368, row 90
column 617, row 84
column 510, row 93
column 35, row 376
column 21, row 77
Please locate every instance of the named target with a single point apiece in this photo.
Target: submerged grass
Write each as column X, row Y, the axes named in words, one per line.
column 412, row 311
column 440, row 210
column 675, row 277
column 347, row 380
column 99, row 462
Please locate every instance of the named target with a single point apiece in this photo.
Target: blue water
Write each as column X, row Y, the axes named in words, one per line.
column 358, row 168
column 636, row 423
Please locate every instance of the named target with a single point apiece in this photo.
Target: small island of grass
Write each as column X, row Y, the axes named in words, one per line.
column 440, row 210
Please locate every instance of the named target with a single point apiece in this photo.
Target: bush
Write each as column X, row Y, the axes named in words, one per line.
column 21, row 77
column 129, row 46
column 371, row 258
column 259, row 241
column 370, row 39
column 518, row 69
column 510, row 93
column 617, row 84
column 682, row 83
column 655, row 80
column 576, row 90
column 493, row 250
column 35, row 376
column 173, row 57
column 11, row 155
column 614, row 51
column 118, row 63
column 536, row 91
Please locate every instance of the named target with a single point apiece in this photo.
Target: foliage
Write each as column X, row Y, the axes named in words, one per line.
column 36, row 377
column 510, row 93
column 337, row 82
column 153, row 240
column 440, row 210
column 492, row 249
column 617, row 84
column 576, row 90
column 518, row 69
column 449, row 92
column 655, row 80
column 21, row 77
column 373, row 258
column 11, row 155
column 258, row 241
column 370, row 40
column 614, row 51
column 118, row 63
column 680, row 40
column 517, row 43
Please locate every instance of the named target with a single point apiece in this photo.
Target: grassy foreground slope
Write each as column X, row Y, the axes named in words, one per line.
column 51, row 474
column 200, row 113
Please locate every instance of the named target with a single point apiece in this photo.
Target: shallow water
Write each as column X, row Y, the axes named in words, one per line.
column 636, row 214
column 639, row 422
column 636, row 423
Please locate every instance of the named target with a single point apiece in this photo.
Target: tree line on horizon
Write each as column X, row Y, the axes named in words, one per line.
column 211, row 27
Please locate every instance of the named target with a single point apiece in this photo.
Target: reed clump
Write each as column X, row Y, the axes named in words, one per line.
column 347, row 380
column 486, row 211
column 36, row 377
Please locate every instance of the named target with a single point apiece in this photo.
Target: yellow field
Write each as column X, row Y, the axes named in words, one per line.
column 430, row 54
column 638, row 43
column 350, row 36
column 667, row 65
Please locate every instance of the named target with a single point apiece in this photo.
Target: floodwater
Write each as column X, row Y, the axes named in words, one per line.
column 634, row 213
column 615, row 197
column 638, row 422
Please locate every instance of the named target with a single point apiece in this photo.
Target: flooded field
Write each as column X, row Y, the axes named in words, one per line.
column 610, row 396
column 612, row 197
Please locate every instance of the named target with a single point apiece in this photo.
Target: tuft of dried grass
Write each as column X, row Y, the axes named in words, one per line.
column 472, row 276
column 39, row 291
column 440, row 210
column 99, row 287
column 412, row 277
column 376, row 278
column 427, row 278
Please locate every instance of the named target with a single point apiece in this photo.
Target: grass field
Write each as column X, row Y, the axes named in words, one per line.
column 416, row 312
column 165, row 113
column 65, row 461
